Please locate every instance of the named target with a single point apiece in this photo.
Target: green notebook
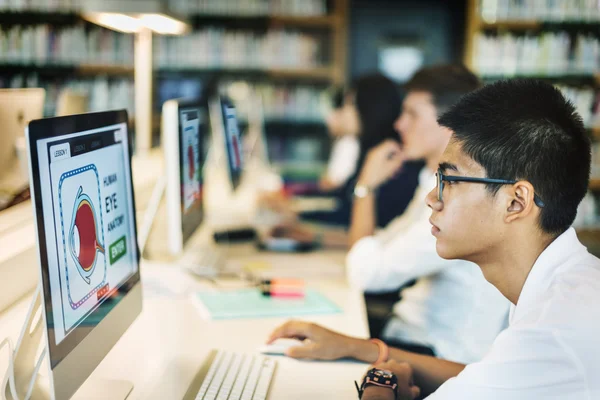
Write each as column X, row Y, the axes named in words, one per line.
column 250, row 303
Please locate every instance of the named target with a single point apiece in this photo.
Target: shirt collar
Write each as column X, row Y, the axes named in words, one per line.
column 560, row 252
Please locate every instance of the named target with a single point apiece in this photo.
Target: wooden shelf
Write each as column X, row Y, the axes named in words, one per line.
column 594, row 184
column 314, row 74
column 510, row 25
column 320, row 73
column 572, row 78
column 38, row 17
column 97, row 69
column 66, row 70
column 262, row 22
column 531, row 24
column 324, row 21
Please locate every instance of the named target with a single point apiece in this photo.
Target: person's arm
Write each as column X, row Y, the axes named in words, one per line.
column 403, row 251
column 429, row 372
column 364, row 218
column 323, row 344
column 380, row 165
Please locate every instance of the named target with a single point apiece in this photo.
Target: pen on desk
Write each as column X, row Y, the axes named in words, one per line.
column 291, row 288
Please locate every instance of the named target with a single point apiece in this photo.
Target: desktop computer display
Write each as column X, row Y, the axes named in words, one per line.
column 17, row 108
column 225, row 126
column 81, row 183
column 183, row 127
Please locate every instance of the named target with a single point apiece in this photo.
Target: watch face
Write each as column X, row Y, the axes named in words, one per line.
column 383, row 373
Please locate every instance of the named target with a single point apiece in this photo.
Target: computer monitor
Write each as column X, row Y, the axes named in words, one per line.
column 183, row 127
column 226, row 134
column 256, row 136
column 17, row 108
column 71, row 102
column 81, row 185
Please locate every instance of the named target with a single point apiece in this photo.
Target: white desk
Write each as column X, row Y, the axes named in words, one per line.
column 163, row 349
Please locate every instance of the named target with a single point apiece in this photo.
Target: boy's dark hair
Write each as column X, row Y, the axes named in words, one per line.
column 526, row 129
column 446, row 83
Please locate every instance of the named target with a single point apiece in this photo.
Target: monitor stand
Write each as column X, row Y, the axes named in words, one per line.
column 23, row 373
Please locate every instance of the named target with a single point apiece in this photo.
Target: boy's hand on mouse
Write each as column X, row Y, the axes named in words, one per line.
column 319, row 343
column 381, row 164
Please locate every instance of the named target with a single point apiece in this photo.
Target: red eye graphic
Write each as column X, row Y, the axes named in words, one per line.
column 192, row 165
column 83, row 237
column 85, row 221
column 236, row 151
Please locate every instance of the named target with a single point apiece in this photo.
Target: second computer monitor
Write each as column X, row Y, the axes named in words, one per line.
column 226, row 133
column 183, row 125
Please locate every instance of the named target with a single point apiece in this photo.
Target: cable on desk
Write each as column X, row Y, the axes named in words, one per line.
column 11, row 372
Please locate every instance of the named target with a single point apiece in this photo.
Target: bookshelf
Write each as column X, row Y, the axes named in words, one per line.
column 317, row 29
column 554, row 41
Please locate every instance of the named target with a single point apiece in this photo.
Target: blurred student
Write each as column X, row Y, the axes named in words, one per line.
column 371, row 106
column 345, row 150
column 451, row 311
column 507, row 190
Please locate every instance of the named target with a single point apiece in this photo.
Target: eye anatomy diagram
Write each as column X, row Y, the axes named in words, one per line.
column 83, row 236
column 84, row 261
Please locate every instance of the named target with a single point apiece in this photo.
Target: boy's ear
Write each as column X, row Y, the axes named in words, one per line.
column 520, row 201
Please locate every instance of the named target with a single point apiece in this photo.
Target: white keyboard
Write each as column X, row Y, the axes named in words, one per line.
column 202, row 261
column 233, row 376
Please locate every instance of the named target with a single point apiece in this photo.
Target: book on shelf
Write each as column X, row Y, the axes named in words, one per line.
column 250, row 7
column 549, row 53
column 213, row 48
column 47, row 45
column 540, row 10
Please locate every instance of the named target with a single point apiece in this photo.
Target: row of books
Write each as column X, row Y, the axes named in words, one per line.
column 250, row 7
column 281, row 102
column 215, row 7
column 587, row 102
column 103, row 94
column 298, row 103
column 543, row 10
column 39, row 5
column 45, row 44
column 219, row 48
column 551, row 53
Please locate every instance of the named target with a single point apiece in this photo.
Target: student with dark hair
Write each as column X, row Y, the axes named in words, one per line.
column 343, row 128
column 440, row 314
column 371, row 106
column 507, row 190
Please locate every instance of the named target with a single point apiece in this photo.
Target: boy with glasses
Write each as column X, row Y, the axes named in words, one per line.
column 451, row 311
column 508, row 186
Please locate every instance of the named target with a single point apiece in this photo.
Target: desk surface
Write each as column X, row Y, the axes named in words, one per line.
column 163, row 349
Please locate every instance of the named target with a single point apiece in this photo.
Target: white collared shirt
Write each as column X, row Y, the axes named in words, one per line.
column 551, row 349
column 451, row 308
column 343, row 159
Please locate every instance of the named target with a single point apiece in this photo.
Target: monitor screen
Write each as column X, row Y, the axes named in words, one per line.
column 232, row 142
column 191, row 162
column 86, row 221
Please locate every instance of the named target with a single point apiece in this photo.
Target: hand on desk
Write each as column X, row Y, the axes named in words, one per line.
column 296, row 232
column 322, row 344
column 319, row 343
column 407, row 390
column 278, row 203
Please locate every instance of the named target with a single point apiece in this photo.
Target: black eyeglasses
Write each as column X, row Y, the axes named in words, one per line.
column 441, row 178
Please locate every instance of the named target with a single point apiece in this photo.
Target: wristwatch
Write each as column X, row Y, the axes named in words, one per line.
column 362, row 191
column 381, row 378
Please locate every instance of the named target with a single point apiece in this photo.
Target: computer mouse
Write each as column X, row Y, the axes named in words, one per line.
column 279, row 346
